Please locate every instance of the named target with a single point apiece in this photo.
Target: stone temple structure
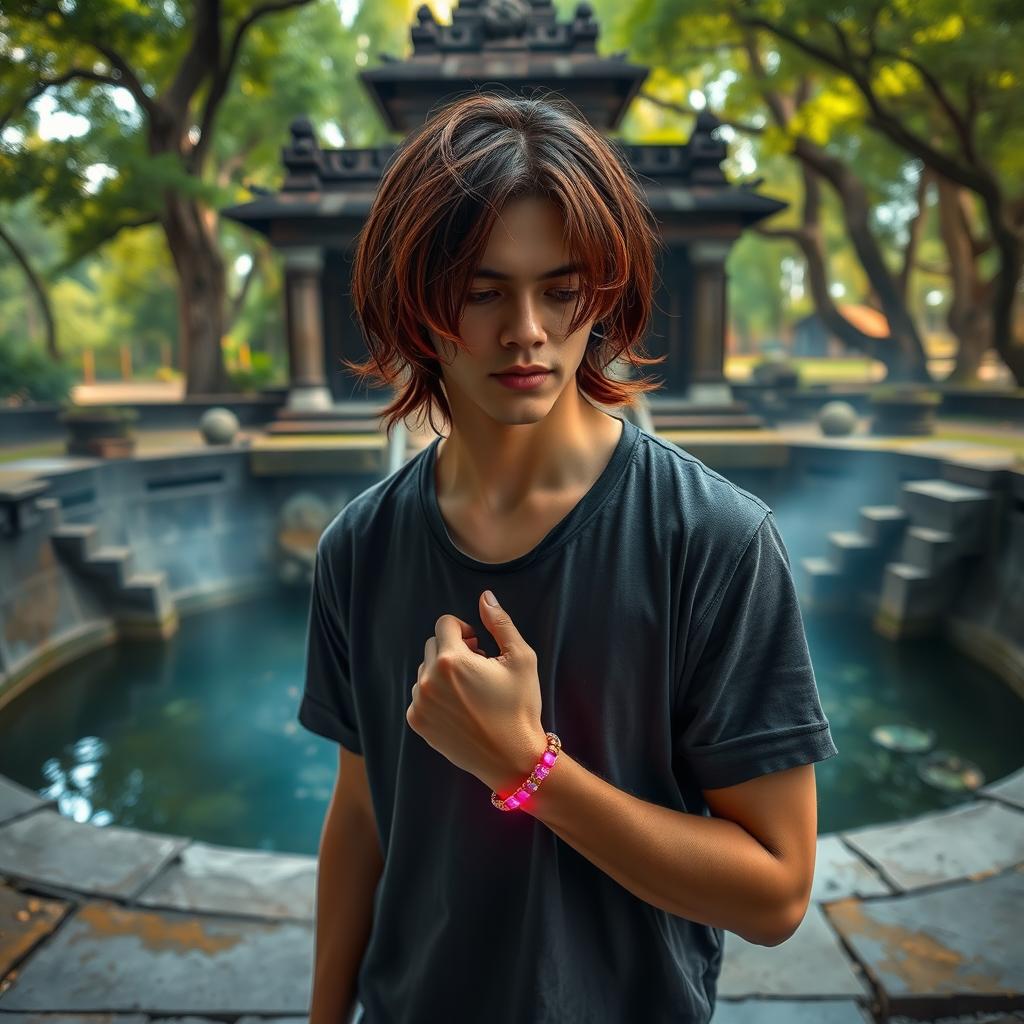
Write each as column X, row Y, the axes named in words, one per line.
column 516, row 45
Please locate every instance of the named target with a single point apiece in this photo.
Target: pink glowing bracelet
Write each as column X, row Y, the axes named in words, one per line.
column 537, row 776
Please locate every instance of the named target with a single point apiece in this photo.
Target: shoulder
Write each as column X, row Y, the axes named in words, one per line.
column 713, row 512
column 369, row 512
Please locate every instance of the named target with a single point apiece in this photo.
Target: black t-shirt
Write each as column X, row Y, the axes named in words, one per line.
column 672, row 658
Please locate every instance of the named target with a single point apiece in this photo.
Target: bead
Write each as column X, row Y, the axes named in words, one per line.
column 539, row 773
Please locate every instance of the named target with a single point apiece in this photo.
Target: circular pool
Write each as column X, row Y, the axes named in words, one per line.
column 198, row 736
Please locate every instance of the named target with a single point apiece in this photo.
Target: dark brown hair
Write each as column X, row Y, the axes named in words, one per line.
column 431, row 218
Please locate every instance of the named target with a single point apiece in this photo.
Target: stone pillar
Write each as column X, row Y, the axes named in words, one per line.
column 307, row 387
column 708, row 383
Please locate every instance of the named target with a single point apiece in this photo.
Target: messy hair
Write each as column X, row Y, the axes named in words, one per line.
column 431, row 218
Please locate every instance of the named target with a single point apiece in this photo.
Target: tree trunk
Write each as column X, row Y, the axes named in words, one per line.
column 911, row 362
column 900, row 364
column 191, row 235
column 1005, row 338
column 39, row 290
column 970, row 311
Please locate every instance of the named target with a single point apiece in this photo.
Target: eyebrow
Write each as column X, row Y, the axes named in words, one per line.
column 568, row 268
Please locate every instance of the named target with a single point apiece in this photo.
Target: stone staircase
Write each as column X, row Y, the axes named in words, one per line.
column 906, row 562
column 140, row 602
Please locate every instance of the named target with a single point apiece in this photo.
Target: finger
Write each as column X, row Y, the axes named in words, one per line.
column 451, row 631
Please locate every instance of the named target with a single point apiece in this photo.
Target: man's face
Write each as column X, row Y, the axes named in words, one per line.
column 517, row 319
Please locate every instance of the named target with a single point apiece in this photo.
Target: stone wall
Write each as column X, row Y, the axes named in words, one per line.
column 95, row 550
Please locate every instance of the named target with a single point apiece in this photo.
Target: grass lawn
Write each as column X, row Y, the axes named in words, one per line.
column 1015, row 444
column 815, row 371
column 43, row 450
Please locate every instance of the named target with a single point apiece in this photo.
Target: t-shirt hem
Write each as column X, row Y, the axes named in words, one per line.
column 714, row 768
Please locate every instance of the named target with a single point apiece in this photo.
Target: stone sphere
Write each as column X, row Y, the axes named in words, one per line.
column 218, row 425
column 304, row 510
column 837, row 419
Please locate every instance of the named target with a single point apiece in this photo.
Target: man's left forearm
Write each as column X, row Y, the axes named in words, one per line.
column 706, row 869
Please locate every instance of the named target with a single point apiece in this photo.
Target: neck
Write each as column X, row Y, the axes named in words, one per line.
column 500, row 467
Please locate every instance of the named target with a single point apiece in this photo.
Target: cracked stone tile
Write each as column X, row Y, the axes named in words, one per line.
column 108, row 861
column 959, row 944
column 227, row 880
column 790, row 1011
column 24, row 922
column 1010, row 789
column 15, row 799
column 107, row 957
column 840, row 873
column 810, row 963
column 967, row 842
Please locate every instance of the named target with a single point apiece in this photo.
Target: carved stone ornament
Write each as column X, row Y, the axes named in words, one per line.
column 503, row 19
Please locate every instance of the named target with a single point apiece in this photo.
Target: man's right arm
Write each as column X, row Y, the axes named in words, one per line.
column 349, row 866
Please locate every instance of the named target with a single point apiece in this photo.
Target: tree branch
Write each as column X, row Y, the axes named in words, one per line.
column 106, row 236
column 37, row 286
column 222, row 74
column 678, row 108
column 129, row 80
column 914, row 233
column 203, row 53
column 46, row 83
column 974, row 178
column 956, row 119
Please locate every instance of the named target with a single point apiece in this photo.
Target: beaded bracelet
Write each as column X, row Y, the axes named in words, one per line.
column 540, row 771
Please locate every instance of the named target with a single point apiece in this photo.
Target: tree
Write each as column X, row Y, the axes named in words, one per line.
column 939, row 79
column 178, row 79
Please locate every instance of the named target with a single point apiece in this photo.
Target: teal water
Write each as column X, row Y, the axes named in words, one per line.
column 198, row 737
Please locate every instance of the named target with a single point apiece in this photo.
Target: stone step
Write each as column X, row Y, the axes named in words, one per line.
column 821, row 583
column 853, row 554
column 146, row 590
column 955, row 508
column 50, row 513
column 912, row 597
column 76, row 541
column 883, row 525
column 113, row 563
column 930, row 550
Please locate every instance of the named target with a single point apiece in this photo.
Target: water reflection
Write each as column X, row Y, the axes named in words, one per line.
column 198, row 736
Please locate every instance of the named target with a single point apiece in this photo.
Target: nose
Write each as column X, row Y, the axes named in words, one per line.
column 525, row 327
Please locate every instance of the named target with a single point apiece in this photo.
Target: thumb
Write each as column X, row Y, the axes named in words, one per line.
column 499, row 624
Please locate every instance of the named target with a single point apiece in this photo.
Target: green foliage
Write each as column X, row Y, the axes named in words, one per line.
column 86, row 189
column 261, row 373
column 119, row 415
column 904, row 394
column 28, row 374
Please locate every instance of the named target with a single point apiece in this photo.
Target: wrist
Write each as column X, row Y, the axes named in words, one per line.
column 523, row 758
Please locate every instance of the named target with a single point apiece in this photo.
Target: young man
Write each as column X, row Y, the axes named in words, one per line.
column 645, row 614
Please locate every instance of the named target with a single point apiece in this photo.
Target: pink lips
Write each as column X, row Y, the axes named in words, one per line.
column 522, row 381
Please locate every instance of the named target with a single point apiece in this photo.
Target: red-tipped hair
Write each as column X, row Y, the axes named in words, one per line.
column 431, row 218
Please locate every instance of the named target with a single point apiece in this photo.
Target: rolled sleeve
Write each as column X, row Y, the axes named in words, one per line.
column 750, row 705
